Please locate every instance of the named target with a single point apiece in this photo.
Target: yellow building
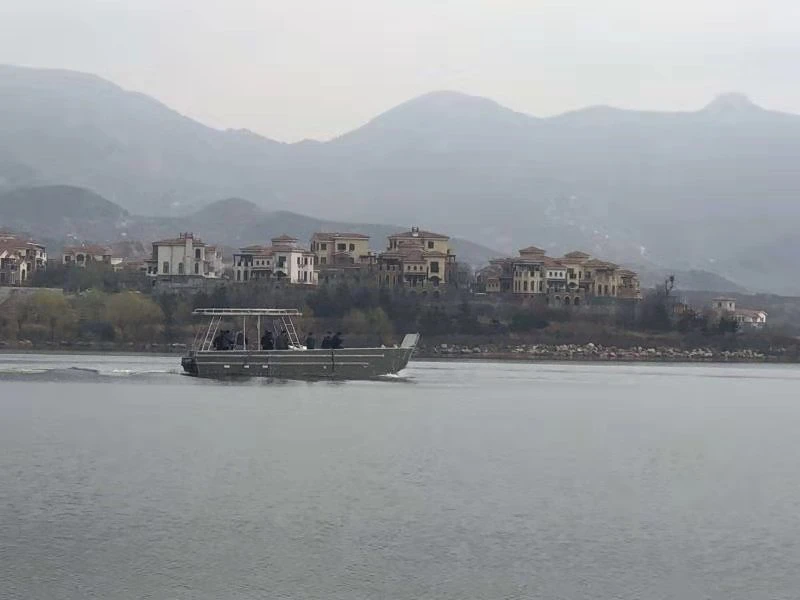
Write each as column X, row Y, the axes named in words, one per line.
column 416, row 259
column 340, row 249
column 566, row 281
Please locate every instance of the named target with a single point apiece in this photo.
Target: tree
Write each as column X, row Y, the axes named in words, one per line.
column 527, row 321
column 374, row 321
column 727, row 325
column 52, row 311
column 654, row 313
column 134, row 316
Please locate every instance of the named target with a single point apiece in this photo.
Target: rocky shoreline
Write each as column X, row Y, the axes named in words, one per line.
column 597, row 353
column 515, row 352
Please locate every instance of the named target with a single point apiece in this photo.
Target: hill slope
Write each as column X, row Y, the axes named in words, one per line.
column 689, row 190
column 47, row 214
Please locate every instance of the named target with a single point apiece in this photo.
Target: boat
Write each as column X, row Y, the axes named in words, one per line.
column 207, row 358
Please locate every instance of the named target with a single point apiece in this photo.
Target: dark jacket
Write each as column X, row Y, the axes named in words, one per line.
column 283, row 341
column 310, row 342
column 326, row 342
column 267, row 343
column 337, row 342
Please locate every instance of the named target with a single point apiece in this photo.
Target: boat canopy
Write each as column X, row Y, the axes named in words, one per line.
column 248, row 312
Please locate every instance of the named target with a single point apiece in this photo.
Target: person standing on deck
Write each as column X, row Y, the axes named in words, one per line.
column 310, row 341
column 267, row 342
column 337, row 343
column 283, row 341
column 326, row 341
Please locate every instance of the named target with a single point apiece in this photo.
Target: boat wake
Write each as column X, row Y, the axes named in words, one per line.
column 61, row 370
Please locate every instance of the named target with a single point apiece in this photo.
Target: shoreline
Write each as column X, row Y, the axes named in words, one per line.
column 517, row 357
column 594, row 360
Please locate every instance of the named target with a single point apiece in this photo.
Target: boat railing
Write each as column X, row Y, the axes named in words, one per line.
column 204, row 340
column 247, row 312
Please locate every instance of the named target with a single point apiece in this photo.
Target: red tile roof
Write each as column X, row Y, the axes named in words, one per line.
column 92, row 249
column 283, row 239
column 417, row 234
column 531, row 250
column 179, row 241
column 321, row 235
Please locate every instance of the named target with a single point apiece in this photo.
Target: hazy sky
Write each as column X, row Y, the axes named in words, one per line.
column 316, row 68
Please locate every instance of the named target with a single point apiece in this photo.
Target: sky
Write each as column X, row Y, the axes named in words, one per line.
column 296, row 69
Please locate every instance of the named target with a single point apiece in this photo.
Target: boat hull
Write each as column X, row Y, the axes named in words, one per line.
column 348, row 363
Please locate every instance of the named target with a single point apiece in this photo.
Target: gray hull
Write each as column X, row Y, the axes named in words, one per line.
column 348, row 363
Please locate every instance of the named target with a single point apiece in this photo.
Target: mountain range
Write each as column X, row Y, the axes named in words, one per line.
column 714, row 189
column 59, row 215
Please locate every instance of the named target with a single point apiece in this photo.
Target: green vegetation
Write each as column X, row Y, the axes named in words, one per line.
column 99, row 306
column 49, row 316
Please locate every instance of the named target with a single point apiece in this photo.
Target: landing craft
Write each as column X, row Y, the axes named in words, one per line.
column 243, row 356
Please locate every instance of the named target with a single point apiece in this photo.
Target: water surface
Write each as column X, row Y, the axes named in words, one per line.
column 120, row 478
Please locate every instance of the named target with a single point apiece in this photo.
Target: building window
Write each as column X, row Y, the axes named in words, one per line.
column 180, row 268
column 197, row 253
column 165, row 268
column 434, row 267
column 524, row 286
column 341, row 247
column 352, row 247
column 324, row 246
column 430, row 245
column 323, row 260
column 196, row 268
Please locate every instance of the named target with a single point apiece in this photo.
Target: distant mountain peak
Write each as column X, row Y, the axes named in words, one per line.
column 731, row 102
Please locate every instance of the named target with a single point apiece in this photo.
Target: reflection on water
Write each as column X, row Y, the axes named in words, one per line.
column 121, row 478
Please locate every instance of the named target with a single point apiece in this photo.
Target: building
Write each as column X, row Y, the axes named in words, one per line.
column 745, row 317
column 416, row 259
column 185, row 256
column 723, row 305
column 20, row 258
column 283, row 260
column 80, row 256
column 340, row 249
column 570, row 280
column 750, row 318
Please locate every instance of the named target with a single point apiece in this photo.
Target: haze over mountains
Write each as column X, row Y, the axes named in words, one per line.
column 714, row 189
column 62, row 214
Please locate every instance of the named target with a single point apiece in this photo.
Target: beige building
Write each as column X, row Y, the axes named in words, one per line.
column 569, row 280
column 283, row 260
column 185, row 256
column 416, row 259
column 745, row 317
column 20, row 258
column 80, row 256
column 340, row 249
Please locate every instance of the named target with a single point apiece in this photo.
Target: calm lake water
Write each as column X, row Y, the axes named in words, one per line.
column 119, row 478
